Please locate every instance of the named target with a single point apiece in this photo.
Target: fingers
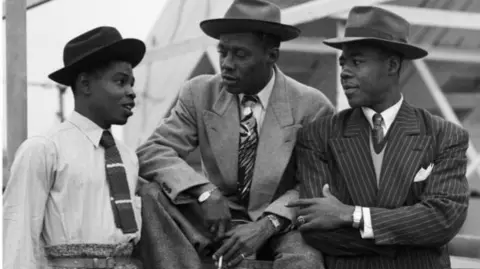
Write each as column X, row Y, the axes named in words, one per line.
column 221, row 229
column 229, row 243
column 233, row 252
column 306, row 227
column 239, row 258
column 300, row 202
column 326, row 191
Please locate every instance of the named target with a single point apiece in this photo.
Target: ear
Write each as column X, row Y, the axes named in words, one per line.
column 272, row 55
column 83, row 84
column 394, row 64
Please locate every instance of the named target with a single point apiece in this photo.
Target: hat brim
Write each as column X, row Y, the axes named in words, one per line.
column 217, row 27
column 130, row 50
column 409, row 52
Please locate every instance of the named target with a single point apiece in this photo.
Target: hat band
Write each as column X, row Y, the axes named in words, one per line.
column 372, row 33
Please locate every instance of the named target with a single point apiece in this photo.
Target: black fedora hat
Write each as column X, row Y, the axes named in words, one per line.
column 250, row 16
column 98, row 45
column 377, row 25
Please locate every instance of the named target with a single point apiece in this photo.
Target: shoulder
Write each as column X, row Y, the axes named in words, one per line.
column 444, row 129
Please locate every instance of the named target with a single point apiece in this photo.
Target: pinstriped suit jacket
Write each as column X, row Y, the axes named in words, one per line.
column 412, row 222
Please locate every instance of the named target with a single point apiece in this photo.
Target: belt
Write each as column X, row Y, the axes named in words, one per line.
column 109, row 262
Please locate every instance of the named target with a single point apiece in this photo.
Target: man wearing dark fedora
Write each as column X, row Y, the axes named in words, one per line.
column 70, row 201
column 244, row 122
column 383, row 182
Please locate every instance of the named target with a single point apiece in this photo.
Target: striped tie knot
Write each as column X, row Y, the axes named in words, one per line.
column 107, row 140
column 377, row 120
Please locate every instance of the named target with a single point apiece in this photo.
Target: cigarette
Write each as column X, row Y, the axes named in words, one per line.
column 220, row 261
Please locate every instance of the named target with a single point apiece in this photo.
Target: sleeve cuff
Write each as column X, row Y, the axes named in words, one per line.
column 367, row 231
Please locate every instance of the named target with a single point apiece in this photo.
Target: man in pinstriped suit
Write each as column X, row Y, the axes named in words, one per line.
column 383, row 183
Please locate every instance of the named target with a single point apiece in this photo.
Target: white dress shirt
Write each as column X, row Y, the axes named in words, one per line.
column 388, row 116
column 58, row 194
column 259, row 109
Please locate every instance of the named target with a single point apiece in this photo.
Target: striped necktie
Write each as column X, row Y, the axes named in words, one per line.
column 377, row 133
column 247, row 148
column 117, row 181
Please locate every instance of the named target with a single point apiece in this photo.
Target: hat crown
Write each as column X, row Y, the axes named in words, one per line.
column 370, row 21
column 254, row 10
column 89, row 42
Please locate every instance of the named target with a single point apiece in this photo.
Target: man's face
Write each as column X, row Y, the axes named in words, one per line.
column 364, row 74
column 112, row 96
column 244, row 63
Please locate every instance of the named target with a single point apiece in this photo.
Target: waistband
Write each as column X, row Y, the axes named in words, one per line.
column 89, row 250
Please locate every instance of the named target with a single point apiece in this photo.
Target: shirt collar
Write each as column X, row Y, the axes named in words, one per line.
column 87, row 127
column 388, row 114
column 265, row 93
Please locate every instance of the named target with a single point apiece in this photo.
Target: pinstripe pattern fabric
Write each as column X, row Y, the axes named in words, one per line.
column 412, row 221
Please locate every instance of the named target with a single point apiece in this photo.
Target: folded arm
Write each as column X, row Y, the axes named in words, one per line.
column 313, row 173
column 24, row 202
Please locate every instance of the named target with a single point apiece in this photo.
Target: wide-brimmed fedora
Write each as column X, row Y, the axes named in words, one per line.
column 377, row 25
column 98, row 45
column 250, row 16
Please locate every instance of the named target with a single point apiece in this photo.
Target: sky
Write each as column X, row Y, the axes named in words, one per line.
column 49, row 27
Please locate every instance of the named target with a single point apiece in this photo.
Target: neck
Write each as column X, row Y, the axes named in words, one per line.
column 390, row 99
column 89, row 114
column 262, row 83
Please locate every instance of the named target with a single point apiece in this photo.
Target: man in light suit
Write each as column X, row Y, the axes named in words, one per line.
column 383, row 183
column 245, row 122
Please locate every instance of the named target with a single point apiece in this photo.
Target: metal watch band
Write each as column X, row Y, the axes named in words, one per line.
column 357, row 217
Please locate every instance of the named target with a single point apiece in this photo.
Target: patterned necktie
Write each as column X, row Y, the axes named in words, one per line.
column 377, row 133
column 117, row 182
column 247, row 148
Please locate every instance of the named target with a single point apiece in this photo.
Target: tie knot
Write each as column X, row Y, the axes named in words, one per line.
column 377, row 119
column 250, row 100
column 107, row 140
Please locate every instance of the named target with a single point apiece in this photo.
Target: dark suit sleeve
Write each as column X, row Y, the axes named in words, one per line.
column 313, row 172
column 442, row 209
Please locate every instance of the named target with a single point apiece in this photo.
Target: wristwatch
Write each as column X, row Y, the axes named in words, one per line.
column 357, row 217
column 205, row 195
column 275, row 222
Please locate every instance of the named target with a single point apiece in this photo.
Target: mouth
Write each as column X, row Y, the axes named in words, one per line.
column 349, row 89
column 128, row 107
column 229, row 79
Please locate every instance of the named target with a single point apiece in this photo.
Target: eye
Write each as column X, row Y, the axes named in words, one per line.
column 222, row 53
column 356, row 62
column 241, row 53
column 121, row 81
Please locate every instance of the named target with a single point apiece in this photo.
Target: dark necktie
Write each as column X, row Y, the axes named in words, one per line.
column 247, row 148
column 117, row 182
column 377, row 133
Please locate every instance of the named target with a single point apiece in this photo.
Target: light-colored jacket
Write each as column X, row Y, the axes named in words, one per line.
column 207, row 116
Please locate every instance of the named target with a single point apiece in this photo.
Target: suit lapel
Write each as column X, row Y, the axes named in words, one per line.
column 403, row 154
column 277, row 137
column 222, row 124
column 354, row 160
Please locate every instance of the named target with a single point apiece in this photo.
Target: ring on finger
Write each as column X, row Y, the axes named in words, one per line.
column 243, row 256
column 301, row 220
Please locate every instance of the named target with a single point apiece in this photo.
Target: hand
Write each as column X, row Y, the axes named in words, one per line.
column 243, row 241
column 216, row 214
column 322, row 213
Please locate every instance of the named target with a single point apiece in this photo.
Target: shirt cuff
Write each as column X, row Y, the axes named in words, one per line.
column 367, row 231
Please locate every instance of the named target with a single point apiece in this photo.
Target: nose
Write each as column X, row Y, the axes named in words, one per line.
column 345, row 73
column 130, row 93
column 226, row 63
